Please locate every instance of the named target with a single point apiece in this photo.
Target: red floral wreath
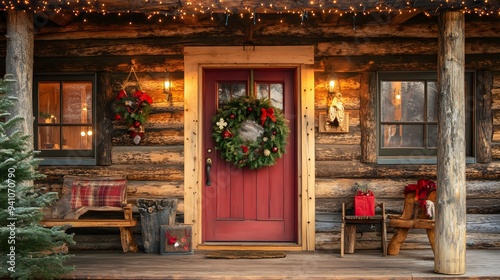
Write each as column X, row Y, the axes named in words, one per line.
column 133, row 109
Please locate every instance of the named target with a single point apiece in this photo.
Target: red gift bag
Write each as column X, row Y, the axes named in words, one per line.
column 364, row 204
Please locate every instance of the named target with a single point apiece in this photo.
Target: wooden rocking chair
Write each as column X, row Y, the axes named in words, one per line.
column 348, row 229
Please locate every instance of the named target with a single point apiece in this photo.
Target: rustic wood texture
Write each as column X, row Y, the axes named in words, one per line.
column 411, row 218
column 451, row 176
column 410, row 264
column 19, row 64
column 109, row 44
column 103, row 119
column 368, row 97
column 484, row 116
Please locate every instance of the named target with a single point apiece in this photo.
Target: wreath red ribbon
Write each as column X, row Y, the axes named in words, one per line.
column 265, row 113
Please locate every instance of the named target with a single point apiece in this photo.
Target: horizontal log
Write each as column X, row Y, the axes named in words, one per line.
column 155, row 189
column 331, row 241
column 153, row 137
column 147, row 155
column 88, row 223
column 154, row 172
column 109, row 63
column 337, row 152
column 495, row 151
column 351, row 138
column 495, row 94
column 400, row 46
column 268, row 28
column 354, row 169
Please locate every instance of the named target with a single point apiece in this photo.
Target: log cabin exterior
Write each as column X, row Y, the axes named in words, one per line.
column 359, row 46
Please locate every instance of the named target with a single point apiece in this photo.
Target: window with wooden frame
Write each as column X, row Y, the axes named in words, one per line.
column 407, row 117
column 65, row 118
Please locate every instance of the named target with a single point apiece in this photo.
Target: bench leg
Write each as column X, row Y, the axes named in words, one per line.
column 350, row 239
column 430, row 235
column 128, row 242
column 342, row 228
column 384, row 239
column 397, row 240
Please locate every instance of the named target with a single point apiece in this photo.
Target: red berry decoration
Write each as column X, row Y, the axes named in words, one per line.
column 232, row 116
column 274, row 132
column 137, row 123
column 275, row 149
column 226, row 134
column 249, row 109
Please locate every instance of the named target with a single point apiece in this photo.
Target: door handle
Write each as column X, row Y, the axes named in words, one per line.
column 208, row 166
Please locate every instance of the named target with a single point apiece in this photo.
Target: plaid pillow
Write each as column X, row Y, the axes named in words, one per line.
column 97, row 193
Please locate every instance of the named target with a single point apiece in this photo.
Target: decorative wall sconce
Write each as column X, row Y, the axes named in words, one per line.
column 335, row 120
column 167, row 85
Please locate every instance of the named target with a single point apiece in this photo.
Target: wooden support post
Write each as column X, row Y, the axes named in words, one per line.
column 450, row 231
column 19, row 62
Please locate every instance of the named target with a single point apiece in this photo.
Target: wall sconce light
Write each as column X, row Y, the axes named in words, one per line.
column 167, row 85
column 333, row 86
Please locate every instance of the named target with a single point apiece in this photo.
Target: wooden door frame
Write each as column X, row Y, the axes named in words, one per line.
column 298, row 57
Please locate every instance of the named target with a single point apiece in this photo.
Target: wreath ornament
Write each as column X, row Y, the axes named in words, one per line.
column 250, row 132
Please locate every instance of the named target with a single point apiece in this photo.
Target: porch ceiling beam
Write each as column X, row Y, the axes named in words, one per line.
column 186, row 7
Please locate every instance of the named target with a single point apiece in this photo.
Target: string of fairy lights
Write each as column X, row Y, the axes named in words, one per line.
column 178, row 9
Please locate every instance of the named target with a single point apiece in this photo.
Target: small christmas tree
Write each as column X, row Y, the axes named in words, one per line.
column 27, row 248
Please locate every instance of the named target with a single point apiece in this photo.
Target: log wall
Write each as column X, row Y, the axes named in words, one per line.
column 110, row 46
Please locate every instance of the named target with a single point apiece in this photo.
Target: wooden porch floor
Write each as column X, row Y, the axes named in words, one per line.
column 369, row 264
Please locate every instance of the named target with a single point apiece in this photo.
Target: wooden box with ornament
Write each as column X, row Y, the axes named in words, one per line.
column 176, row 239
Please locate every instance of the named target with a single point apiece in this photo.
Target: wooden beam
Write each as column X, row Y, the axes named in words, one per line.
column 484, row 116
column 181, row 7
column 367, row 123
column 19, row 63
column 450, row 230
column 403, row 16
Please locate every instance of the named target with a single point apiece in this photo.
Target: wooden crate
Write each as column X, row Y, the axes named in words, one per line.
column 176, row 239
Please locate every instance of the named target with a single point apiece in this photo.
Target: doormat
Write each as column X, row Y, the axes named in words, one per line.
column 245, row 254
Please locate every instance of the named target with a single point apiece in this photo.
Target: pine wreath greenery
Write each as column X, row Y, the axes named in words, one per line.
column 250, row 132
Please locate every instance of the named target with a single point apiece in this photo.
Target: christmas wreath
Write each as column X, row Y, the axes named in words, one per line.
column 133, row 109
column 250, row 132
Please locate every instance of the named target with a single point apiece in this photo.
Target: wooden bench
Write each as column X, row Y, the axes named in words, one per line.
column 412, row 217
column 348, row 229
column 82, row 194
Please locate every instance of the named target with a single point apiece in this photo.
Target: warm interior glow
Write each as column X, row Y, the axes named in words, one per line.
column 89, row 133
column 82, row 133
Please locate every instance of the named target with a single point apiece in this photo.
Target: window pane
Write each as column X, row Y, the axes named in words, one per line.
column 403, row 136
column 77, row 137
column 77, row 102
column 48, row 102
column 49, row 138
column 402, row 101
column 432, row 134
column 272, row 91
column 263, row 90
column 228, row 90
column 432, row 101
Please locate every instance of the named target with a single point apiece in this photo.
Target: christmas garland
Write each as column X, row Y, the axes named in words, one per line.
column 250, row 132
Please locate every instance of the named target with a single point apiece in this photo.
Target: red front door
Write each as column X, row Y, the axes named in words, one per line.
column 242, row 204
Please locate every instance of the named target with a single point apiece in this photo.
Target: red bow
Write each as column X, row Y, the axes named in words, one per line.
column 172, row 240
column 267, row 113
